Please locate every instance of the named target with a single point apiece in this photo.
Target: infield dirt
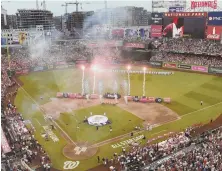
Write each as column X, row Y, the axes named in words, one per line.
column 151, row 114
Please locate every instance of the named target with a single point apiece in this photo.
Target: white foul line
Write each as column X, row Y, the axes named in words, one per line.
column 38, row 122
column 201, row 109
column 45, row 113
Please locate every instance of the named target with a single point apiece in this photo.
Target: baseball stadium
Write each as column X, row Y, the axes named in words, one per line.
column 117, row 104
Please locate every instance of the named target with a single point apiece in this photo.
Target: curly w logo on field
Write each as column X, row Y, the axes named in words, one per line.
column 70, row 165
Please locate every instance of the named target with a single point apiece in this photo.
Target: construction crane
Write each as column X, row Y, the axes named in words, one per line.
column 37, row 4
column 44, row 5
column 73, row 3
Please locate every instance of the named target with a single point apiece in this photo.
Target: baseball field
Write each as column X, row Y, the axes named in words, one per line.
column 78, row 143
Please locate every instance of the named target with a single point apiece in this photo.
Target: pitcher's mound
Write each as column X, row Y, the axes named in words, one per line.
column 80, row 151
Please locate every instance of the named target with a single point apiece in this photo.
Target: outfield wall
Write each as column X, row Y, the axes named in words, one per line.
column 154, row 64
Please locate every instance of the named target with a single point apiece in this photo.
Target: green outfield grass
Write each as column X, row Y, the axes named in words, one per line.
column 120, row 126
column 185, row 89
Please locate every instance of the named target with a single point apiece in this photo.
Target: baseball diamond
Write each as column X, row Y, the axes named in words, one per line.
column 109, row 97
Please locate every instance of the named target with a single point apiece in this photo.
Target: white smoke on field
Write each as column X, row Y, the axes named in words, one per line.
column 97, row 29
column 40, row 42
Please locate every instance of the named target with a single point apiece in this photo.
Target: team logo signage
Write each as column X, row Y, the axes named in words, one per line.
column 156, row 31
column 214, row 32
column 157, row 18
column 204, row 4
column 185, row 14
column 79, row 150
column 215, row 18
column 68, row 165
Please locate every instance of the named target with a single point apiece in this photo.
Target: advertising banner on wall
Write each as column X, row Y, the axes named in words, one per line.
column 3, row 41
column 157, row 18
column 215, row 18
column 117, row 33
column 4, row 143
column 214, row 32
column 22, row 72
column 22, row 38
column 106, row 44
column 199, row 68
column 38, row 68
column 215, row 70
column 155, row 63
column 183, row 66
column 134, row 45
column 169, row 65
column 156, row 31
column 176, row 9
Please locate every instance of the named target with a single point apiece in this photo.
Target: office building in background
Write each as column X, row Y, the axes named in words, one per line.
column 32, row 17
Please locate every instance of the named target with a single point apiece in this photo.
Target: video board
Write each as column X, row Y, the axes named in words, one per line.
column 184, row 24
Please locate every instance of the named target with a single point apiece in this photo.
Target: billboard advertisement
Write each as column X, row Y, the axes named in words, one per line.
column 169, row 65
column 184, row 24
column 215, row 70
column 176, row 9
column 22, row 38
column 156, row 31
column 199, row 68
column 157, row 18
column 4, row 143
column 215, row 18
column 155, row 63
column 110, row 43
column 214, row 32
column 3, row 41
column 117, row 33
column 183, row 66
column 204, row 4
column 134, row 45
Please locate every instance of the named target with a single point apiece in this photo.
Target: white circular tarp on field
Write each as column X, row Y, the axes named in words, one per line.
column 97, row 120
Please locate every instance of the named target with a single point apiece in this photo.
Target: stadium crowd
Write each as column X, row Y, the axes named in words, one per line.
column 178, row 152
column 189, row 51
column 21, row 141
column 189, row 59
column 25, row 147
column 194, row 46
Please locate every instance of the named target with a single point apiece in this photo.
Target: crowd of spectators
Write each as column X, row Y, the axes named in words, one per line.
column 189, row 51
column 204, row 156
column 188, row 59
column 194, row 46
column 178, row 152
column 25, row 147
column 22, row 143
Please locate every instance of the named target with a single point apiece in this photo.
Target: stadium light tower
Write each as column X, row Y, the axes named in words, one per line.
column 83, row 77
column 144, row 80
column 94, row 78
column 128, row 69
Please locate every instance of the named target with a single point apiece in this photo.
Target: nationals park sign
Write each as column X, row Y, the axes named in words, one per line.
column 204, row 4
